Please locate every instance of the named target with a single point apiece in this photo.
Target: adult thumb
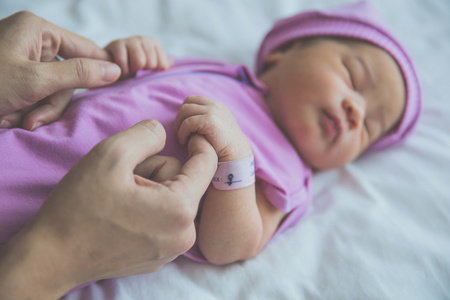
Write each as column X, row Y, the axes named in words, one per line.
column 78, row 73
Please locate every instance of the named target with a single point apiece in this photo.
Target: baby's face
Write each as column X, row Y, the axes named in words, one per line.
column 333, row 97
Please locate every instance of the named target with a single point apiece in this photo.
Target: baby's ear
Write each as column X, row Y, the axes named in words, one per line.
column 275, row 56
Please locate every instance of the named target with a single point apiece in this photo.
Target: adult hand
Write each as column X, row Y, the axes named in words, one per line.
column 106, row 219
column 35, row 86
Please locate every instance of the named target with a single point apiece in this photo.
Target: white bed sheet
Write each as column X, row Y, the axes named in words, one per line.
column 377, row 229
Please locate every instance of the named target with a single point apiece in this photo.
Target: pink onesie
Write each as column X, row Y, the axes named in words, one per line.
column 32, row 163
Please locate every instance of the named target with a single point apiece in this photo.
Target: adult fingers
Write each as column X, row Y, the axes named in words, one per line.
column 73, row 73
column 88, row 73
column 52, row 38
column 164, row 61
column 158, row 168
column 72, row 45
column 152, row 56
column 130, row 147
column 196, row 174
column 14, row 119
column 136, row 55
column 118, row 51
column 32, row 44
column 47, row 111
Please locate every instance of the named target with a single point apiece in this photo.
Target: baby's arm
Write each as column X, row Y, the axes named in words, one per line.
column 138, row 53
column 234, row 224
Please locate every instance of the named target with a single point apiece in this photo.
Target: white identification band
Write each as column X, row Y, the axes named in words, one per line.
column 231, row 175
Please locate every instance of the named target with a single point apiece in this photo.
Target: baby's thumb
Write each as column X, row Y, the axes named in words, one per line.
column 80, row 73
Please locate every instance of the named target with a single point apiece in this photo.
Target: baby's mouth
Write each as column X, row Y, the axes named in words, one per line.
column 332, row 126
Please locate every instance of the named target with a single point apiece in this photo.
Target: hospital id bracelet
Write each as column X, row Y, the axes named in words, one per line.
column 231, row 175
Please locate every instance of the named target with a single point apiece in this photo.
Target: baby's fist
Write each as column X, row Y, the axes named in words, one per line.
column 213, row 120
column 138, row 53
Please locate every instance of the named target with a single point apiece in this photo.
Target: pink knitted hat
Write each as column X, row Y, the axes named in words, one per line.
column 360, row 21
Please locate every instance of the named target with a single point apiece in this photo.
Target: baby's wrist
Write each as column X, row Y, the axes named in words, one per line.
column 233, row 153
column 235, row 174
column 234, row 157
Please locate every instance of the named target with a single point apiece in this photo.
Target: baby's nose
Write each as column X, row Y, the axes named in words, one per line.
column 354, row 113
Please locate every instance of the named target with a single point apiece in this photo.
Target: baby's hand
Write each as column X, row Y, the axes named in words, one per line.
column 213, row 120
column 138, row 53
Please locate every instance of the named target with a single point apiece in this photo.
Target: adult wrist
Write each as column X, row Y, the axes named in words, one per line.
column 29, row 270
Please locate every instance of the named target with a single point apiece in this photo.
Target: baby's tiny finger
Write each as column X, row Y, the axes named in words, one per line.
column 184, row 131
column 163, row 59
column 189, row 126
column 118, row 51
column 188, row 110
column 200, row 100
column 136, row 55
column 152, row 56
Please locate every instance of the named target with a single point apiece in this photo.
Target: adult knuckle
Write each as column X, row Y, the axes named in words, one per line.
column 82, row 70
column 110, row 148
column 24, row 16
column 183, row 211
column 117, row 149
column 183, row 216
column 98, row 151
column 179, row 243
column 186, row 240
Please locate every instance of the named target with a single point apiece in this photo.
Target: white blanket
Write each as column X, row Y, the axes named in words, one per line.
column 377, row 229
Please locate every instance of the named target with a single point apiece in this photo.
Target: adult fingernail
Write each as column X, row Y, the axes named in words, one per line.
column 5, row 124
column 110, row 72
column 36, row 125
